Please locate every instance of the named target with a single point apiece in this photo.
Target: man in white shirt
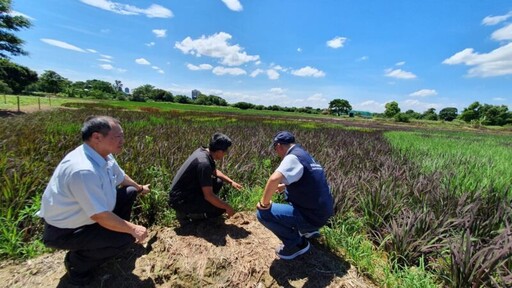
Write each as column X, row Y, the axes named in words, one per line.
column 83, row 210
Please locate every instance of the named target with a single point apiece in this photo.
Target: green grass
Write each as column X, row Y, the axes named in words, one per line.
column 471, row 162
column 10, row 102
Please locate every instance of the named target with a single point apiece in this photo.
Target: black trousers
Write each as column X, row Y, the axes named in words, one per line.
column 199, row 205
column 91, row 245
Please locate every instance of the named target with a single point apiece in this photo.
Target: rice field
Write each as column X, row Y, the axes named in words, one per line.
column 413, row 208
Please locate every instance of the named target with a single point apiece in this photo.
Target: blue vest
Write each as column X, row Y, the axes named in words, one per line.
column 310, row 195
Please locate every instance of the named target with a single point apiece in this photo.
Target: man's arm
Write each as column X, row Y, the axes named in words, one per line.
column 113, row 222
column 270, row 188
column 216, row 201
column 142, row 189
column 225, row 178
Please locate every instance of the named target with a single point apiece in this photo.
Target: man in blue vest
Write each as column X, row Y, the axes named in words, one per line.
column 310, row 202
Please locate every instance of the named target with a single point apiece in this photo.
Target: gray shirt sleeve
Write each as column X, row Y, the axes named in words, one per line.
column 291, row 169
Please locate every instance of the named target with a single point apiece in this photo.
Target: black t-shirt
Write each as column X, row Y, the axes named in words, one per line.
column 197, row 172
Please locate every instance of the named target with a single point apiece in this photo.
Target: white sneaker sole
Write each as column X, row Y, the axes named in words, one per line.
column 298, row 253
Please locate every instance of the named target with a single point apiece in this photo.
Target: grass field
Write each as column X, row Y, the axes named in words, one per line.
column 402, row 218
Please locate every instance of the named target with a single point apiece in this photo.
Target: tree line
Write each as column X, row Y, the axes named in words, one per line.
column 18, row 79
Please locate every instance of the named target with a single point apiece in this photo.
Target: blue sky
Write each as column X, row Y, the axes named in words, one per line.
column 422, row 54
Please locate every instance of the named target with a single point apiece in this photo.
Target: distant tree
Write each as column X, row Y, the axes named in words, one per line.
column 9, row 43
column 472, row 112
column 100, row 85
column 401, row 117
column 391, row 109
column 430, row 114
column 218, row 101
column 16, row 76
column 495, row 115
column 51, row 82
column 243, row 105
column 118, row 86
column 448, row 114
column 340, row 106
column 5, row 89
column 412, row 114
column 161, row 95
column 142, row 93
column 182, row 99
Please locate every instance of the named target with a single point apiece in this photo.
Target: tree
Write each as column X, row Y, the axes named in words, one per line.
column 430, row 114
column 142, row 93
column 118, row 86
column 448, row 114
column 52, row 82
column 16, row 76
column 182, row 99
column 471, row 113
column 9, row 43
column 411, row 114
column 243, row 105
column 391, row 109
column 161, row 95
column 495, row 115
column 340, row 106
column 5, row 89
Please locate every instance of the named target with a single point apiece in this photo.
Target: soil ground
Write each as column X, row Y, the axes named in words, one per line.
column 236, row 252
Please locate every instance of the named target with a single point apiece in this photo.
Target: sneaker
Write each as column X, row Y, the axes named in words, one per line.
column 76, row 278
column 311, row 234
column 289, row 253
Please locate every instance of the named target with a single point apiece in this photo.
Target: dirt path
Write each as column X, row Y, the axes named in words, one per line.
column 236, row 253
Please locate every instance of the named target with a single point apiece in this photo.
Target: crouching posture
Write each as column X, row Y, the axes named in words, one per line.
column 195, row 188
column 310, row 202
column 83, row 209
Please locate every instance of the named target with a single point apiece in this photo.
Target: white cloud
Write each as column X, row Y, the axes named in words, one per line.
column 277, row 90
column 317, row 98
column 62, row 45
column 233, row 5
column 142, row 61
column 370, row 105
column 219, row 70
column 417, row 106
column 495, row 63
column 106, row 66
column 92, row 50
column 153, row 11
column 105, row 60
column 399, row 74
column 106, row 56
column 299, row 49
column 424, row 93
column 336, row 42
column 493, row 20
column 502, row 34
column 160, row 33
column 257, row 72
column 499, row 99
column 150, row 44
column 216, row 46
column 308, row 72
column 363, row 58
column 402, row 63
column 200, row 67
column 272, row 74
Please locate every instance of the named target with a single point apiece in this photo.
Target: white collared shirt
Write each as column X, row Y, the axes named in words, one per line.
column 83, row 184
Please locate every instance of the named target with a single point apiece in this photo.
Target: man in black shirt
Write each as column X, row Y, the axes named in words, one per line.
column 195, row 187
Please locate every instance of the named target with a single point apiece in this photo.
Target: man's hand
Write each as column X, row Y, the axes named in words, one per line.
column 145, row 189
column 236, row 185
column 280, row 188
column 139, row 233
column 229, row 211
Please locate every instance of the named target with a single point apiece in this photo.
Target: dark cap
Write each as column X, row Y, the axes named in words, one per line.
column 283, row 137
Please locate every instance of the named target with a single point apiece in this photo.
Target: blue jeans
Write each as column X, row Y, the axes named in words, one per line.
column 285, row 222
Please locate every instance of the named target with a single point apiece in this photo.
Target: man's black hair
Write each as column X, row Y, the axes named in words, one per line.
column 100, row 124
column 219, row 141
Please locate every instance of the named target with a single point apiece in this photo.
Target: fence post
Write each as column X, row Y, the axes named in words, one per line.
column 39, row 102
column 5, row 99
column 18, row 97
column 49, row 99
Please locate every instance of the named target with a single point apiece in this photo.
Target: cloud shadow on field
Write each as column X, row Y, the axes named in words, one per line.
column 316, row 268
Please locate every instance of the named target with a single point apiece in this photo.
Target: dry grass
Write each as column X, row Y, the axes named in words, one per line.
column 238, row 252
